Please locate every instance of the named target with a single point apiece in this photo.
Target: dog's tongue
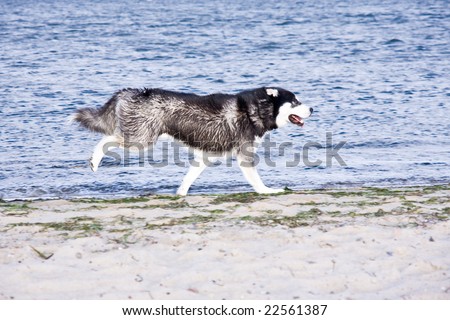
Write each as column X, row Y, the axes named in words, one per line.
column 295, row 119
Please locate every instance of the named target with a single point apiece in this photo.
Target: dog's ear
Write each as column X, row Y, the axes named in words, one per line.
column 272, row 92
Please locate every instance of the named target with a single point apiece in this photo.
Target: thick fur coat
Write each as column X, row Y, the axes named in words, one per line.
column 215, row 123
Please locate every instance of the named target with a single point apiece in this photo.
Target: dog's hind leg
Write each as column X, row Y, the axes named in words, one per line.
column 251, row 174
column 100, row 150
column 195, row 170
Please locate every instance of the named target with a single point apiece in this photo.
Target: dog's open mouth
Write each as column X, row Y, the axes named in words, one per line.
column 295, row 119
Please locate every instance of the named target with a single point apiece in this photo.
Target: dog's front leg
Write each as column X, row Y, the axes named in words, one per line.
column 195, row 170
column 248, row 168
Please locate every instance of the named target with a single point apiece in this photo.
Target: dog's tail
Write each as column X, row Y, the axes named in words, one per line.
column 102, row 120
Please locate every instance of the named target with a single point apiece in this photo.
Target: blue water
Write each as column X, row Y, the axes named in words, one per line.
column 377, row 75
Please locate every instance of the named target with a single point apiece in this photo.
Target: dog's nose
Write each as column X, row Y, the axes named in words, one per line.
column 311, row 110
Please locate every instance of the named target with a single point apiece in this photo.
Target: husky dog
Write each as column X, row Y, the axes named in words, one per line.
column 212, row 124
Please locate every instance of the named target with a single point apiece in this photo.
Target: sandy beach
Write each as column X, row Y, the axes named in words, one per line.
column 365, row 243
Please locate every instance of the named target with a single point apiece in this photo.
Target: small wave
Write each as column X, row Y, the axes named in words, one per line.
column 291, row 22
column 430, row 75
column 366, row 16
column 375, row 144
column 366, row 98
column 400, row 19
column 157, row 57
column 393, row 41
column 270, row 46
column 143, row 49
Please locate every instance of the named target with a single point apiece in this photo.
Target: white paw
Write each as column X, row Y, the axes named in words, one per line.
column 270, row 190
column 181, row 192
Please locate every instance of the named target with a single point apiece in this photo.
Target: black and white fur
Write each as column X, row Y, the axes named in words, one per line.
column 212, row 124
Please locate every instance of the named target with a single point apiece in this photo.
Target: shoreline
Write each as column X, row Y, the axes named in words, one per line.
column 350, row 243
column 288, row 190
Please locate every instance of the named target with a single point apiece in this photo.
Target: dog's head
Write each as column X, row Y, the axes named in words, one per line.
column 287, row 108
